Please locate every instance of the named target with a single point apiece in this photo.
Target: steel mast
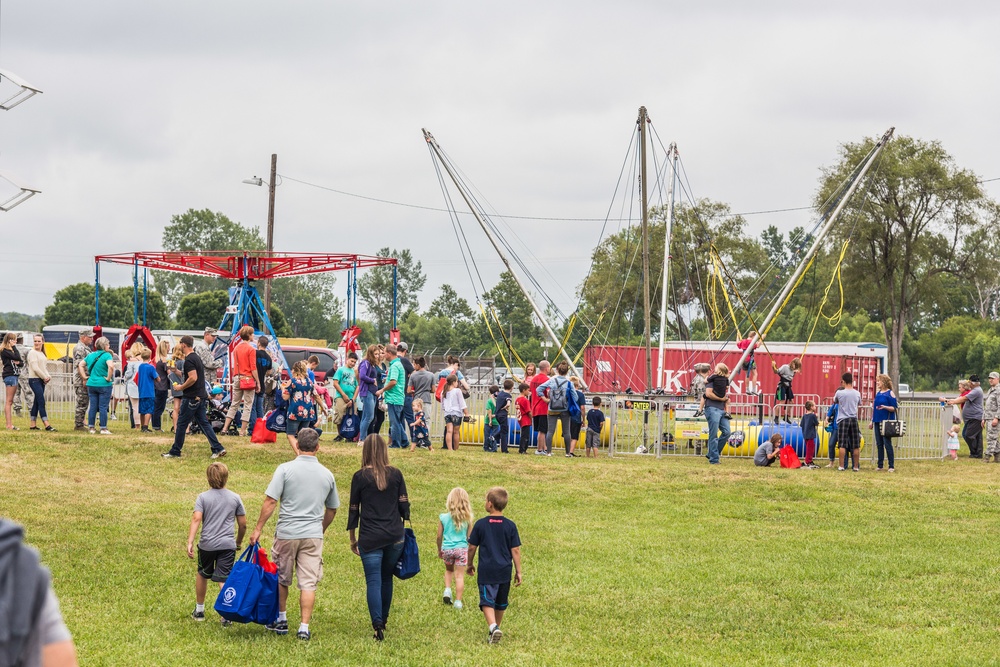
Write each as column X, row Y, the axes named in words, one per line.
column 642, row 121
column 820, row 235
column 432, row 142
column 671, row 154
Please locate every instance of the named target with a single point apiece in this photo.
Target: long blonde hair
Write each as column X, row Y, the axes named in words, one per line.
column 459, row 507
column 163, row 350
column 885, row 381
column 375, row 456
column 177, row 354
column 8, row 340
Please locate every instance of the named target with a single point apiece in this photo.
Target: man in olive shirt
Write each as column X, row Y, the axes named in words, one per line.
column 394, row 393
column 307, row 492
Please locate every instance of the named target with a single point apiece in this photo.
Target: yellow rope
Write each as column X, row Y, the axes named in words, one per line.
column 790, row 293
column 569, row 330
column 833, row 319
column 499, row 349
column 716, row 282
column 593, row 331
column 729, row 304
column 506, row 340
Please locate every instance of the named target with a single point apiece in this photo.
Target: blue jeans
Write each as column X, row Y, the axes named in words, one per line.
column 368, row 409
column 884, row 445
column 193, row 410
column 38, row 406
column 100, row 397
column 159, row 405
column 257, row 409
column 408, row 414
column 379, row 565
column 718, row 431
column 397, row 427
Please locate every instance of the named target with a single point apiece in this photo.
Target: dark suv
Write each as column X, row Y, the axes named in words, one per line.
column 327, row 359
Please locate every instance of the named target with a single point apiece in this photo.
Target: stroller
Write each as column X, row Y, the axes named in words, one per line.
column 218, row 405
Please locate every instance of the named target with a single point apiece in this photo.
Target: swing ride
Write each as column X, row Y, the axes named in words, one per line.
column 245, row 269
column 628, row 369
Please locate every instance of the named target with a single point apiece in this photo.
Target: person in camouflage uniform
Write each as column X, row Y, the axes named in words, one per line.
column 80, row 352
column 212, row 352
column 23, row 396
column 991, row 418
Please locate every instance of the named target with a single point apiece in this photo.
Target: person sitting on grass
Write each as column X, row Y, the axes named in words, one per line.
column 499, row 545
column 215, row 510
column 453, row 531
column 768, row 452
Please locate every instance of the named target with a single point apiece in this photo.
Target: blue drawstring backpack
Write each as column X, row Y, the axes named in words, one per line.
column 350, row 426
column 275, row 420
column 408, row 564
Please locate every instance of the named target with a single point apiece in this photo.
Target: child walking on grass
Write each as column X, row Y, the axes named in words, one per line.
column 454, row 527
column 499, row 545
column 215, row 510
column 953, row 443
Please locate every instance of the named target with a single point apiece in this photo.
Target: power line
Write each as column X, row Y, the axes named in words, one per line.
column 530, row 217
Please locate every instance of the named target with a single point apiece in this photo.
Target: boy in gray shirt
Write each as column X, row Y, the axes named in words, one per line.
column 215, row 511
column 848, row 399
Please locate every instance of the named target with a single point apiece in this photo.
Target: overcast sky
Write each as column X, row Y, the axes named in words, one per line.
column 150, row 109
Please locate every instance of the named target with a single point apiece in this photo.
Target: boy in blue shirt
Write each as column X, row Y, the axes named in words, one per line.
column 595, row 422
column 146, row 377
column 499, row 545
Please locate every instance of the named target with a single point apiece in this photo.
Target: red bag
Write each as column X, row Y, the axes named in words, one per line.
column 439, row 392
column 261, row 435
column 264, row 562
column 788, row 457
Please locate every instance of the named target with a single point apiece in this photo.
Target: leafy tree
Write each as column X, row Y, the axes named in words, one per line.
column 449, row 304
column 983, row 282
column 21, row 321
column 198, row 311
column 960, row 346
column 314, row 311
column 201, row 230
column 375, row 289
column 905, row 235
column 614, row 286
column 74, row 304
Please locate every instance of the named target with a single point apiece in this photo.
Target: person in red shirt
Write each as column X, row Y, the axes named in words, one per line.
column 245, row 380
column 539, row 410
column 523, row 417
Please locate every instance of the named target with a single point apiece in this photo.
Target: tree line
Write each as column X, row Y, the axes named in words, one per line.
column 920, row 273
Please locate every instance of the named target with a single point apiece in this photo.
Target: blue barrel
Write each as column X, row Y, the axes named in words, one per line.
column 791, row 434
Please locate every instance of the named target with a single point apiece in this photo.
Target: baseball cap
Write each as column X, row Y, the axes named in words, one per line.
column 973, row 378
column 87, row 333
column 211, row 330
column 995, row 376
column 402, row 346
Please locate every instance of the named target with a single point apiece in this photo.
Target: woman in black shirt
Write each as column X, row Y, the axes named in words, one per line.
column 11, row 370
column 379, row 506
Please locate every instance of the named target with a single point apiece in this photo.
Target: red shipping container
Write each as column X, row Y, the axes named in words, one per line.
column 615, row 368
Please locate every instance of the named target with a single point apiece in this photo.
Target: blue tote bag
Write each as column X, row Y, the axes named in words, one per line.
column 275, row 420
column 266, row 610
column 350, row 426
column 408, row 564
column 238, row 598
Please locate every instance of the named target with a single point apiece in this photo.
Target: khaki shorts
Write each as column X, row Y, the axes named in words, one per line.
column 305, row 557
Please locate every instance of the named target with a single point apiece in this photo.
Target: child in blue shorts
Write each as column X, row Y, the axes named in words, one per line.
column 146, row 377
column 499, row 545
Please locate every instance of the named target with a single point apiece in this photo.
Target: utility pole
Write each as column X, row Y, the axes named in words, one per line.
column 270, row 228
column 643, row 119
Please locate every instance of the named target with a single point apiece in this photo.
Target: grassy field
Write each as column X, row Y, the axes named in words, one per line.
column 626, row 561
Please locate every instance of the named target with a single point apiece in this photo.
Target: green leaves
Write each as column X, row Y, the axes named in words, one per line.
column 74, row 304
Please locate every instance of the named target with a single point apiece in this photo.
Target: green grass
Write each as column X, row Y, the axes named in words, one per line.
column 626, row 561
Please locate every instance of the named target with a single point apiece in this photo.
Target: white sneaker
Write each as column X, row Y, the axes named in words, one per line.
column 105, row 431
column 457, row 604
